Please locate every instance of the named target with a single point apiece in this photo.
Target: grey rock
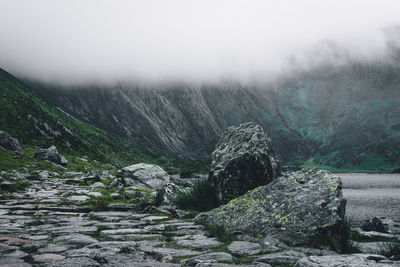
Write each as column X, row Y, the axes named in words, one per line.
column 315, row 251
column 17, row 254
column 339, row 260
column 374, row 247
column 12, row 262
column 242, row 160
column 154, row 218
column 372, row 235
column 48, row 257
column 243, row 248
column 295, row 208
column 78, row 198
column 285, row 257
column 147, row 176
column 51, row 154
column 78, row 240
column 106, row 233
column 271, row 244
column 50, row 248
column 97, row 185
column 152, row 248
column 10, row 143
column 199, row 242
column 74, row 262
column 213, row 257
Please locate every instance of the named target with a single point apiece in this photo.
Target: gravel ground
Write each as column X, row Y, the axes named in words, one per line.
column 370, row 195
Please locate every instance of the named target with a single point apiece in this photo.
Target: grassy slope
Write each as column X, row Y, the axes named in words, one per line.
column 17, row 102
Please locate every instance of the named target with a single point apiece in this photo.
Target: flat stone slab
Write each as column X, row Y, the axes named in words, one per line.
column 154, row 218
column 285, row 257
column 127, row 231
column 213, row 257
column 199, row 242
column 51, row 248
column 12, row 262
column 243, row 248
column 340, row 260
column 48, row 257
column 74, row 262
column 76, row 239
column 78, row 198
column 151, row 247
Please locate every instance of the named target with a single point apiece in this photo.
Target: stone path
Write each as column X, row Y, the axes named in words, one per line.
column 46, row 226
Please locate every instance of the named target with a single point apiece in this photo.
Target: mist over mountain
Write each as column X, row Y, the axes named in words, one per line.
column 344, row 117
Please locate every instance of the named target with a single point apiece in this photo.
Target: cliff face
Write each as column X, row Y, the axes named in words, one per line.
column 346, row 118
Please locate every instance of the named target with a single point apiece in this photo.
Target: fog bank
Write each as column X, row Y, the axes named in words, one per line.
column 101, row 41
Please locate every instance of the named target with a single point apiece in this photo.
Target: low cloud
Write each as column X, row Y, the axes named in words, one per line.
column 101, row 41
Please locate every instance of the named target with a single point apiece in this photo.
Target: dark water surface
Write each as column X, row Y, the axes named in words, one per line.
column 370, row 195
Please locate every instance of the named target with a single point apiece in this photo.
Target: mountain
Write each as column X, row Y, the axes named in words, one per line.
column 39, row 124
column 343, row 118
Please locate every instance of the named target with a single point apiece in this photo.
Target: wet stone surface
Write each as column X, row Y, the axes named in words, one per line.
column 50, row 224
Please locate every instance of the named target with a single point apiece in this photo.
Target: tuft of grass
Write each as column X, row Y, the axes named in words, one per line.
column 389, row 249
column 201, row 196
column 159, row 198
column 221, row 233
column 340, row 241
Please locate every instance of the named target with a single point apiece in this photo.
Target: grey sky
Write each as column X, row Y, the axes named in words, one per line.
column 97, row 40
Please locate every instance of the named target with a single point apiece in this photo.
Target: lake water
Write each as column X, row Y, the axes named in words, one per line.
column 370, row 195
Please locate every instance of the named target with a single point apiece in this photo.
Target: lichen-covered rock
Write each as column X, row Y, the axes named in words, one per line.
column 242, row 160
column 51, row 154
column 296, row 208
column 146, row 176
column 10, row 143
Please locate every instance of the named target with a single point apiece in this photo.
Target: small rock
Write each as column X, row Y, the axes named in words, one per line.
column 78, row 240
column 243, row 248
column 78, row 198
column 146, row 176
column 97, row 185
column 9, row 142
column 51, row 154
column 375, row 224
column 13, row 262
column 48, row 257
column 208, row 258
column 199, row 242
column 285, row 257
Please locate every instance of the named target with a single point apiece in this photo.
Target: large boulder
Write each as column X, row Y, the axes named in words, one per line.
column 10, row 143
column 297, row 208
column 51, row 154
column 146, row 176
column 242, row 160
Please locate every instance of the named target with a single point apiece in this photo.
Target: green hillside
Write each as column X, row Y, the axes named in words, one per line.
column 38, row 124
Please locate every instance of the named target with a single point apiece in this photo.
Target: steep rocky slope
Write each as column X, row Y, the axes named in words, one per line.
column 39, row 124
column 346, row 118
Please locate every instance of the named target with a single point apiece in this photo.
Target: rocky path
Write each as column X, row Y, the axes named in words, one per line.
column 46, row 226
